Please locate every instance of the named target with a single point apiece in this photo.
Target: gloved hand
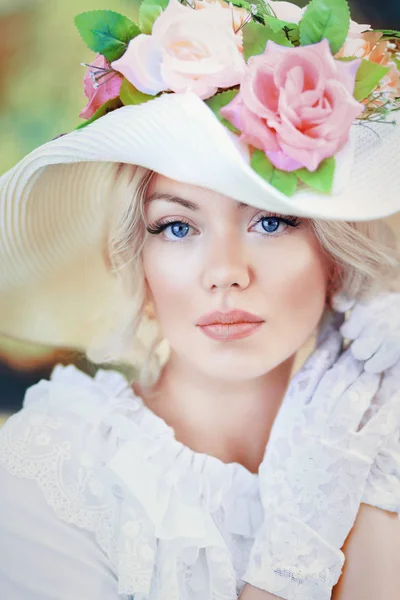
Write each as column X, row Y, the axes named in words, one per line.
column 374, row 325
column 314, row 473
column 383, row 483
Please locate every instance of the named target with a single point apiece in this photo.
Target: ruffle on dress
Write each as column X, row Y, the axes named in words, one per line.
column 176, row 524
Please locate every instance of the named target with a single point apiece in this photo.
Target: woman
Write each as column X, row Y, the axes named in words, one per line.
column 158, row 237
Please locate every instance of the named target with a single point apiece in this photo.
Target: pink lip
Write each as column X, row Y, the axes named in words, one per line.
column 232, row 325
column 227, row 318
column 233, row 331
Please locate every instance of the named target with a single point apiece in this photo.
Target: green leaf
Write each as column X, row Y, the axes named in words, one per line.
column 289, row 30
column 328, row 19
column 219, row 101
column 292, row 32
column 106, row 32
column 107, row 107
column 321, row 179
column 282, row 180
column 277, row 24
column 130, row 95
column 149, row 11
column 389, row 33
column 256, row 36
column 368, row 77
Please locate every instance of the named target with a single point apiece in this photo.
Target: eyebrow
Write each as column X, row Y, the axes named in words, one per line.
column 182, row 201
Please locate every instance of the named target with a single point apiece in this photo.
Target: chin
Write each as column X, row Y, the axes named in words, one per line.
column 241, row 367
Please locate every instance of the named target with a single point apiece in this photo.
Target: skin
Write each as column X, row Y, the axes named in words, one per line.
column 213, row 393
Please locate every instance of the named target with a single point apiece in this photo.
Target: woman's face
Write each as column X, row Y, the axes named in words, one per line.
column 206, row 252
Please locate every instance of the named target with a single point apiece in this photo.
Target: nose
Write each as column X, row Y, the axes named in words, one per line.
column 226, row 265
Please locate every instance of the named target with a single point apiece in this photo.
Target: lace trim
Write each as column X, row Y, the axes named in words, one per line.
column 27, row 452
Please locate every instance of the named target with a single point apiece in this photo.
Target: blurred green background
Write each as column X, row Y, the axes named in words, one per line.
column 41, row 92
column 41, row 95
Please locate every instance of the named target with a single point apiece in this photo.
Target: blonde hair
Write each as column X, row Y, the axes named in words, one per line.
column 363, row 256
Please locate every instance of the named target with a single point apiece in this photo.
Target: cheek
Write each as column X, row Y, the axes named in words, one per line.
column 295, row 285
column 168, row 277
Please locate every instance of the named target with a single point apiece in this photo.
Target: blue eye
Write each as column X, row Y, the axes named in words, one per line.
column 270, row 224
column 172, row 231
column 179, row 229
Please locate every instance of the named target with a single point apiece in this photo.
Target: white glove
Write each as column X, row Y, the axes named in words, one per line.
column 374, row 325
column 314, row 472
column 383, row 484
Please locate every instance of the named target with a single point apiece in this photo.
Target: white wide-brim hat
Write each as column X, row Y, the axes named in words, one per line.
column 53, row 279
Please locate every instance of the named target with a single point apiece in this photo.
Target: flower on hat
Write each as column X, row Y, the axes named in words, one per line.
column 359, row 46
column 289, row 82
column 389, row 86
column 100, row 84
column 370, row 46
column 187, row 51
column 238, row 16
column 296, row 104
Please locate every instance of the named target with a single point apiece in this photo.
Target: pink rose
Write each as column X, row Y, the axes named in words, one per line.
column 188, row 51
column 108, row 86
column 296, row 104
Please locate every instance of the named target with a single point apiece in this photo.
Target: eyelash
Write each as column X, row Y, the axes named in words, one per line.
column 160, row 225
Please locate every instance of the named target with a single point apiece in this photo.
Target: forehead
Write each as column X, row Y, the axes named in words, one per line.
column 197, row 197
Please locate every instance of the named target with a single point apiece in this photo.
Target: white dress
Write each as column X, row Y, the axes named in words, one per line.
column 99, row 501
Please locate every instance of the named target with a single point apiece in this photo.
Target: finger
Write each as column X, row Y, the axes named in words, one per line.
column 386, row 357
column 339, row 377
column 383, row 486
column 370, row 340
column 350, row 407
column 304, row 383
column 356, row 322
column 394, row 371
column 384, row 424
column 389, row 385
column 388, row 458
column 362, row 313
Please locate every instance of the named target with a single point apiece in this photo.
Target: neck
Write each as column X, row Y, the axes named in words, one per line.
column 227, row 419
